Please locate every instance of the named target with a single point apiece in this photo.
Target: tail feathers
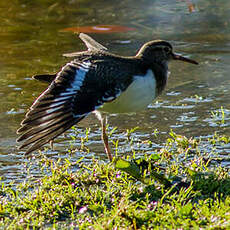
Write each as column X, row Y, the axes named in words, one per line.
column 48, row 78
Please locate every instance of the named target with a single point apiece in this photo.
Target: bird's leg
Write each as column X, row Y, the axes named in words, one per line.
column 105, row 139
column 52, row 144
column 104, row 135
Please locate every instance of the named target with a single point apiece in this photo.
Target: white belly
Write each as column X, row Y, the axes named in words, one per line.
column 136, row 97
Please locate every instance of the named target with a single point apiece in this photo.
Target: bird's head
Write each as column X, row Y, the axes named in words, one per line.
column 161, row 52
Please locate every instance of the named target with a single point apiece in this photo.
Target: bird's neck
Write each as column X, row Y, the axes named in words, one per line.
column 160, row 70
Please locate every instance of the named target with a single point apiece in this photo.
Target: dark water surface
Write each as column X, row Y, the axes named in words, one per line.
column 193, row 103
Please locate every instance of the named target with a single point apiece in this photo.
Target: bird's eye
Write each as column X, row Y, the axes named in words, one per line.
column 167, row 50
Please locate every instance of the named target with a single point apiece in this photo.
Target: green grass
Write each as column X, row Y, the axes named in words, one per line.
column 181, row 189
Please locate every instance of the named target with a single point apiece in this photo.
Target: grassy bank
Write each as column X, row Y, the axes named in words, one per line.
column 179, row 187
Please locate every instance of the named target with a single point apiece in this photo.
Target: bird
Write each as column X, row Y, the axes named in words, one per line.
column 100, row 82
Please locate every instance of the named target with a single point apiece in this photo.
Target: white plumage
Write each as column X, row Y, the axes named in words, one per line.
column 136, row 97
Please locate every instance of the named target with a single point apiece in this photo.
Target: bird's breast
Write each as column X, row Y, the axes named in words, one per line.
column 136, row 97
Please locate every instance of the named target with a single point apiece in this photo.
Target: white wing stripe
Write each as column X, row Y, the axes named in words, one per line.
column 52, row 110
column 108, row 98
column 67, row 94
column 62, row 98
column 79, row 77
column 56, row 104
column 81, row 71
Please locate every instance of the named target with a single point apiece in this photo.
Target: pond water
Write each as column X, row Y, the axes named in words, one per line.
column 193, row 103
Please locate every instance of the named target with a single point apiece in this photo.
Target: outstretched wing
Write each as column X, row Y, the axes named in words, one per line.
column 53, row 111
column 78, row 89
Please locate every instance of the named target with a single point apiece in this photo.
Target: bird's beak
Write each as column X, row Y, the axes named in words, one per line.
column 181, row 58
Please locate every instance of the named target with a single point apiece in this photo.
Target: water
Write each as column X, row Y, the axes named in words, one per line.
column 31, row 43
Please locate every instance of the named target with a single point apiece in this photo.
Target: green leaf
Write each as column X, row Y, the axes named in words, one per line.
column 131, row 168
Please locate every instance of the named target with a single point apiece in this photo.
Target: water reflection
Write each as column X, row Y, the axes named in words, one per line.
column 31, row 43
